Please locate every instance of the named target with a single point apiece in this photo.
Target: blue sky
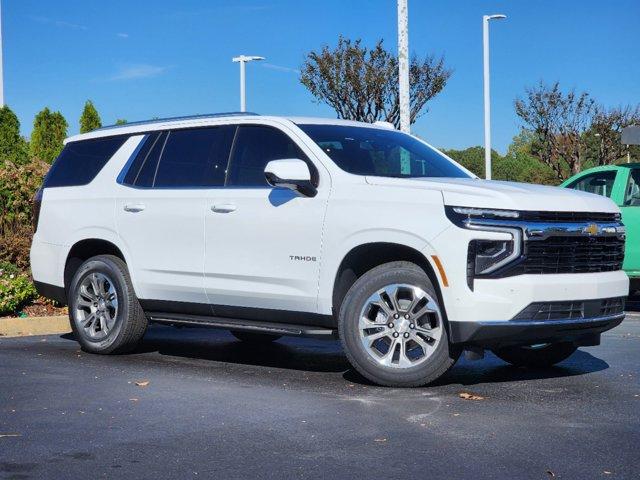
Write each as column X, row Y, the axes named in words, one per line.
column 147, row 58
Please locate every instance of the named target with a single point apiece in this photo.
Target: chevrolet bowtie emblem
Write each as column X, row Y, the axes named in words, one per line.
column 591, row 229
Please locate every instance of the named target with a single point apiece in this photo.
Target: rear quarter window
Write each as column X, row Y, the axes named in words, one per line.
column 80, row 162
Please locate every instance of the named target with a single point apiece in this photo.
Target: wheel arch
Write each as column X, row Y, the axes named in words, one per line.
column 84, row 249
column 362, row 258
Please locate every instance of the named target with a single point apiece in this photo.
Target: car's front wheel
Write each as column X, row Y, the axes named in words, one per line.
column 392, row 327
column 536, row 356
column 105, row 314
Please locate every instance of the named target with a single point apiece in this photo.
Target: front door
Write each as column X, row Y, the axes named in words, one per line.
column 631, row 218
column 263, row 244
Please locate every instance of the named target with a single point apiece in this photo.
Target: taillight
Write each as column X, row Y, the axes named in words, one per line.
column 35, row 208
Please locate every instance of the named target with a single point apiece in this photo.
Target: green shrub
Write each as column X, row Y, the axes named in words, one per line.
column 18, row 185
column 8, row 268
column 15, row 291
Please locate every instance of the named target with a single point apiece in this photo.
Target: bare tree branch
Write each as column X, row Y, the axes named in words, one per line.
column 362, row 84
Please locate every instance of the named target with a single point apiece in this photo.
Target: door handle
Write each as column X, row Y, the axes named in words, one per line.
column 224, row 208
column 134, row 207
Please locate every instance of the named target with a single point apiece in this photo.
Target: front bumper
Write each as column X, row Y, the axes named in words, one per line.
column 492, row 334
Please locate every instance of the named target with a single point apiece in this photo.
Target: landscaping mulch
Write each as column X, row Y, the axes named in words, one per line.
column 41, row 307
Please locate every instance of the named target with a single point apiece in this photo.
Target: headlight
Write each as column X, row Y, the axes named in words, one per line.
column 461, row 215
column 486, row 212
column 489, row 255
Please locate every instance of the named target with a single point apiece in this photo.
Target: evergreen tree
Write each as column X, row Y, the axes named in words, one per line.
column 90, row 119
column 121, row 121
column 49, row 132
column 12, row 145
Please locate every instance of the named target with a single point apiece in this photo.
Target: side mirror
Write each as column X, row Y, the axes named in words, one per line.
column 291, row 173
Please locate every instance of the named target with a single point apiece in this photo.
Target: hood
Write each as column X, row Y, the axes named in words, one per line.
column 474, row 192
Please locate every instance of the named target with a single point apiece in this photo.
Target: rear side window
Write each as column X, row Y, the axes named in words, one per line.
column 186, row 158
column 194, row 158
column 141, row 157
column 254, row 147
column 80, row 162
column 147, row 161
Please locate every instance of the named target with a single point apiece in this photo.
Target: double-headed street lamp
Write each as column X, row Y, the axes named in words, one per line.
column 242, row 59
column 487, row 96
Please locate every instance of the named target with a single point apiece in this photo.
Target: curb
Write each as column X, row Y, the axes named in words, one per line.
column 22, row 327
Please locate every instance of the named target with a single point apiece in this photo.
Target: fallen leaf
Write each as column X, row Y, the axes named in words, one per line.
column 470, row 396
column 9, row 435
column 606, row 472
column 380, row 440
column 142, row 383
column 550, row 473
column 133, row 399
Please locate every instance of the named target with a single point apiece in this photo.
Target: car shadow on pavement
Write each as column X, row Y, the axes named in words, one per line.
column 220, row 346
column 493, row 370
column 304, row 354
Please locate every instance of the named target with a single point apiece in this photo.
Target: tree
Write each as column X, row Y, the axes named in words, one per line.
column 13, row 147
column 49, row 132
column 558, row 122
column 90, row 119
column 362, row 84
column 518, row 165
column 121, row 121
column 604, row 137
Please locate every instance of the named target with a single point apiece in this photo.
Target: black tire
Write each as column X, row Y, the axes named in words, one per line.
column 543, row 356
column 130, row 322
column 254, row 337
column 432, row 368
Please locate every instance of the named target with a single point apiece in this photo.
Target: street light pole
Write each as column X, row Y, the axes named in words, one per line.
column 487, row 95
column 1, row 61
column 403, row 65
column 243, row 59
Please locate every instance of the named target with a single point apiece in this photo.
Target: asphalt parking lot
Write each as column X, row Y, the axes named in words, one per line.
column 216, row 408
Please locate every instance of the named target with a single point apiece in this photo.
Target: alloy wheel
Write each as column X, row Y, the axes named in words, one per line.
column 400, row 326
column 96, row 306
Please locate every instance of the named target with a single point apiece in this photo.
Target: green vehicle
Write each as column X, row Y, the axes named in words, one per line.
column 621, row 183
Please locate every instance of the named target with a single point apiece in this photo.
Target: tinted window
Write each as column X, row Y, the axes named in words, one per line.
column 254, row 147
column 632, row 194
column 194, row 158
column 80, row 162
column 143, row 152
column 379, row 152
column 144, row 177
column 600, row 183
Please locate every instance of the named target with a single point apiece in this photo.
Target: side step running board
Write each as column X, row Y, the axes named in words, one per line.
column 244, row 325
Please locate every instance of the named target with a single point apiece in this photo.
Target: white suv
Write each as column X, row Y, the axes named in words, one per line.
column 271, row 226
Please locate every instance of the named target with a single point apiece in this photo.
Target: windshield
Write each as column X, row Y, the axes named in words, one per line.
column 379, row 152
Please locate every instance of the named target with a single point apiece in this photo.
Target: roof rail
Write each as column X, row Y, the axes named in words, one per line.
column 174, row 119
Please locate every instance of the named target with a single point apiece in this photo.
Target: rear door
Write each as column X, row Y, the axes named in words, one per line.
column 160, row 214
column 630, row 208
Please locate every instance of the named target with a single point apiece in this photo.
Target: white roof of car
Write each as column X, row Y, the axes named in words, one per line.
column 203, row 120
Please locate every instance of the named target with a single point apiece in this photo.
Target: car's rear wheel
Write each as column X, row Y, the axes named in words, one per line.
column 105, row 314
column 393, row 329
column 536, row 356
column 254, row 337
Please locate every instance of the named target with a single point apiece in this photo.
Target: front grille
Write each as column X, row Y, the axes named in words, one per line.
column 571, row 254
column 571, row 310
column 531, row 216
